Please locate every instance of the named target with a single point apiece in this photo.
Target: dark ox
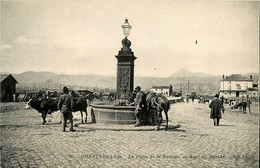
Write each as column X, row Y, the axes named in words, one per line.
column 46, row 106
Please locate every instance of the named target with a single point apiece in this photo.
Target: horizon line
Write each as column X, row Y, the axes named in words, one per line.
column 136, row 76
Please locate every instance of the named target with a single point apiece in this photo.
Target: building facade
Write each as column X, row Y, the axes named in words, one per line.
column 164, row 90
column 235, row 86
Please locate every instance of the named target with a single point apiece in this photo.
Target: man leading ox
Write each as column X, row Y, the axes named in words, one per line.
column 66, row 105
column 141, row 107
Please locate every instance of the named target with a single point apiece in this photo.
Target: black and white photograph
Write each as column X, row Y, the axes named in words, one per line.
column 131, row 84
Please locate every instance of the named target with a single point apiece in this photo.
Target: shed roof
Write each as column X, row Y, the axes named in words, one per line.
column 5, row 76
column 237, row 77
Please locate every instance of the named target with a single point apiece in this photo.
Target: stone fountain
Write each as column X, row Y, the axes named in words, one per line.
column 120, row 114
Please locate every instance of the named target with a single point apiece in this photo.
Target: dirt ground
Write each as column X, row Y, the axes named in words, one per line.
column 25, row 142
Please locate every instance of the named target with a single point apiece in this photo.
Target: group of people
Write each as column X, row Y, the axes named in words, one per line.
column 243, row 105
column 201, row 99
column 217, row 106
column 66, row 105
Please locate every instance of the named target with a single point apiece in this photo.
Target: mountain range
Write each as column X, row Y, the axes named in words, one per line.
column 179, row 80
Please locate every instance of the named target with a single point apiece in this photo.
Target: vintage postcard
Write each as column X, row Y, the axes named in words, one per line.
column 129, row 84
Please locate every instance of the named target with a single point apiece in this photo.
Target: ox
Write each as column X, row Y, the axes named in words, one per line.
column 46, row 106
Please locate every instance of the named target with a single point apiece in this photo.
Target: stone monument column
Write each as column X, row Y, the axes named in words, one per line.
column 125, row 66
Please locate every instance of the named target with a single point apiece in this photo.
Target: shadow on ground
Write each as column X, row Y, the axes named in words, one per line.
column 222, row 125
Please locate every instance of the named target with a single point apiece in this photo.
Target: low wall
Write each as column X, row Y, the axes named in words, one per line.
column 111, row 114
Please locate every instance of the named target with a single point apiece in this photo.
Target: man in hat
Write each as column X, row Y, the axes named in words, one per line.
column 66, row 106
column 140, row 111
column 216, row 107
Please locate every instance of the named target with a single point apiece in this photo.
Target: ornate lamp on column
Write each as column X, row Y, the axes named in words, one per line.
column 125, row 65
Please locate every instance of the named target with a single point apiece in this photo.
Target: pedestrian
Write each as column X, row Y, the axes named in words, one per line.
column 66, row 106
column 187, row 99
column 216, row 108
column 203, row 98
column 171, row 91
column 248, row 104
column 141, row 107
column 244, row 105
column 131, row 98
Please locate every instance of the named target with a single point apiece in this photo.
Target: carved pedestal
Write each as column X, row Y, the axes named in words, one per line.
column 125, row 70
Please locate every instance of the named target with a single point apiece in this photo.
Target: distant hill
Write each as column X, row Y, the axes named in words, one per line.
column 179, row 80
column 46, row 78
column 188, row 73
column 35, row 77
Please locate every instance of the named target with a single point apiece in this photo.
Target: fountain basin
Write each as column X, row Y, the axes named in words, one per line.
column 111, row 114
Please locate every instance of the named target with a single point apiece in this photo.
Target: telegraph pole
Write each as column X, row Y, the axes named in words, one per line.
column 188, row 87
column 181, row 89
column 223, row 85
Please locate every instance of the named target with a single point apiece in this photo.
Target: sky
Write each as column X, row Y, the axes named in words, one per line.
column 83, row 37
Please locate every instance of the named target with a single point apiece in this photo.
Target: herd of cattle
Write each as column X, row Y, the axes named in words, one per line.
column 48, row 104
column 25, row 97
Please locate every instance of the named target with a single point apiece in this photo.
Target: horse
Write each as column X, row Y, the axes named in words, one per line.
column 160, row 103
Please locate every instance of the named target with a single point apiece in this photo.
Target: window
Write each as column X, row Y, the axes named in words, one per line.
column 229, row 85
column 238, row 86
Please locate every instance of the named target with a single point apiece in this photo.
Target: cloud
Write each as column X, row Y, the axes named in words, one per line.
column 6, row 47
column 26, row 40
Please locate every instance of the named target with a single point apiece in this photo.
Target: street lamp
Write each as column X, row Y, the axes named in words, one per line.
column 125, row 65
column 126, row 28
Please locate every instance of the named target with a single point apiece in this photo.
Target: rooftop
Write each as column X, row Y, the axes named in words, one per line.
column 4, row 76
column 237, row 77
column 161, row 87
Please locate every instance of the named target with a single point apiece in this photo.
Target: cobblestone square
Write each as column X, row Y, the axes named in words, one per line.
column 25, row 142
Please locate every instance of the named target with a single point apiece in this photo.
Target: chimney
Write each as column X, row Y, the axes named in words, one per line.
column 251, row 77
